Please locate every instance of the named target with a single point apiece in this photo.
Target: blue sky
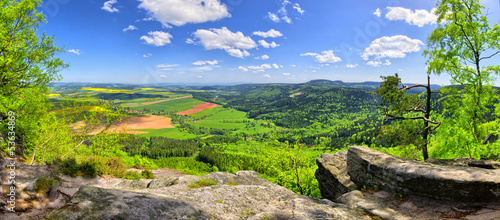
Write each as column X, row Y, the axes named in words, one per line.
column 243, row 41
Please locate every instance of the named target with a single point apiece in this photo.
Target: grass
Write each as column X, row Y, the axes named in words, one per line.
column 207, row 112
column 233, row 119
column 177, row 105
column 167, row 132
column 202, row 183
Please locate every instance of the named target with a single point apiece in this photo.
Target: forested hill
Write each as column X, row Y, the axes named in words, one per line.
column 322, row 102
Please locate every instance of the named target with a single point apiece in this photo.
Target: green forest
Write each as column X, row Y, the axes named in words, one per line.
column 277, row 130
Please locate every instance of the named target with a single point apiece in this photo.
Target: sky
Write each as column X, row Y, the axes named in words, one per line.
column 244, row 41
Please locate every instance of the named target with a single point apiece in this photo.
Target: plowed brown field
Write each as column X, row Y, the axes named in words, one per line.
column 198, row 108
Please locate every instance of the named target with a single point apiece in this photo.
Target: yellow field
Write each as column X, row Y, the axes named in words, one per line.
column 109, row 90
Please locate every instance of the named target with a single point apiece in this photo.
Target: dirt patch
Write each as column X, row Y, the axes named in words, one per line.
column 198, row 108
column 164, row 100
column 147, row 122
column 296, row 94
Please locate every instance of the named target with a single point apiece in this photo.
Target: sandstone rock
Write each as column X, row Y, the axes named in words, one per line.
column 332, row 175
column 163, row 182
column 247, row 200
column 466, row 162
column 372, row 206
column 134, row 184
column 370, row 167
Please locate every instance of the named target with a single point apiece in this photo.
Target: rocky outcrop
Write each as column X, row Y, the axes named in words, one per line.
column 466, row 162
column 332, row 175
column 372, row 168
column 236, row 196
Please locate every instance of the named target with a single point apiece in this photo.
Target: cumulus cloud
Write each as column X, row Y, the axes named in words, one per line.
column 287, row 74
column 208, row 62
column 270, row 33
column 130, row 28
column 273, row 17
column 157, row 38
column 374, row 63
column 180, row 12
column 387, row 63
column 296, row 6
column 417, row 17
column 393, row 47
column 147, row 55
column 75, row 51
column 108, row 6
column 263, row 57
column 256, row 69
column 377, row 12
column 267, row 75
column 163, row 76
column 275, row 66
column 235, row 44
column 352, row 66
column 325, row 57
column 204, row 68
column 264, row 44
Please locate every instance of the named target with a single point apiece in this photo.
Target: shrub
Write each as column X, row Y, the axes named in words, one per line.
column 44, row 184
column 69, row 167
column 203, row 183
column 132, row 175
column 88, row 169
column 147, row 174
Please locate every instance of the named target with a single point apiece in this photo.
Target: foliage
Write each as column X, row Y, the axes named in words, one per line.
column 44, row 184
column 397, row 105
column 458, row 47
column 132, row 175
column 147, row 174
column 202, row 183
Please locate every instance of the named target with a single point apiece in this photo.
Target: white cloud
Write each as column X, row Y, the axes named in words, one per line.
column 108, row 6
column 374, row 63
column 130, row 28
column 147, row 55
column 204, row 68
column 275, row 66
column 157, row 38
column 377, row 12
column 296, row 6
column 263, row 57
column 393, row 47
column 235, row 44
column 163, row 76
column 270, row 33
column 264, row 44
column 352, row 66
column 287, row 74
column 255, row 69
column 75, row 51
column 326, row 57
column 419, row 17
column 267, row 75
column 208, row 62
column 166, row 67
column 180, row 12
column 273, row 17
column 387, row 63
column 286, row 19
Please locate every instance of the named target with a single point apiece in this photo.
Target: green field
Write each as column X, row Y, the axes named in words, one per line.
column 167, row 132
column 233, row 119
column 177, row 105
column 207, row 112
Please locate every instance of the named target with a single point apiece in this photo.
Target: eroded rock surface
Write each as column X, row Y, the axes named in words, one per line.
column 251, row 198
column 332, row 175
column 370, row 167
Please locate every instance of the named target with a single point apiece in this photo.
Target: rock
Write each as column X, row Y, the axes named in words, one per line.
column 466, row 161
column 490, row 138
column 332, row 175
column 163, row 182
column 134, row 184
column 371, row 206
column 369, row 167
column 247, row 200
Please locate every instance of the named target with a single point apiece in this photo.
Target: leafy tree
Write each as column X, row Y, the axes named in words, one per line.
column 459, row 46
column 397, row 105
column 27, row 66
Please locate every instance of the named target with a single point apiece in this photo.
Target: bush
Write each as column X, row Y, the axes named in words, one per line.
column 147, row 174
column 44, row 184
column 132, row 175
column 69, row 167
column 203, row 183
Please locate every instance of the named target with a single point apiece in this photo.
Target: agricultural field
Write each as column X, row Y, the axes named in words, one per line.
column 174, row 133
column 234, row 120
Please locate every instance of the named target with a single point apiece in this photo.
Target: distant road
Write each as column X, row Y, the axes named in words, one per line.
column 150, row 103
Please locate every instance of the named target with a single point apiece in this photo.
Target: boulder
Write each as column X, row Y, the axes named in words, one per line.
column 332, row 175
column 466, row 162
column 247, row 200
column 163, row 182
column 369, row 167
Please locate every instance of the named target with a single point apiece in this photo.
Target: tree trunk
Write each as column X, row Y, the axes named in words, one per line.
column 427, row 115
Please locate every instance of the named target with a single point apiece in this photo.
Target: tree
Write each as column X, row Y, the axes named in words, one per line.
column 27, row 66
column 459, row 45
column 397, row 105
